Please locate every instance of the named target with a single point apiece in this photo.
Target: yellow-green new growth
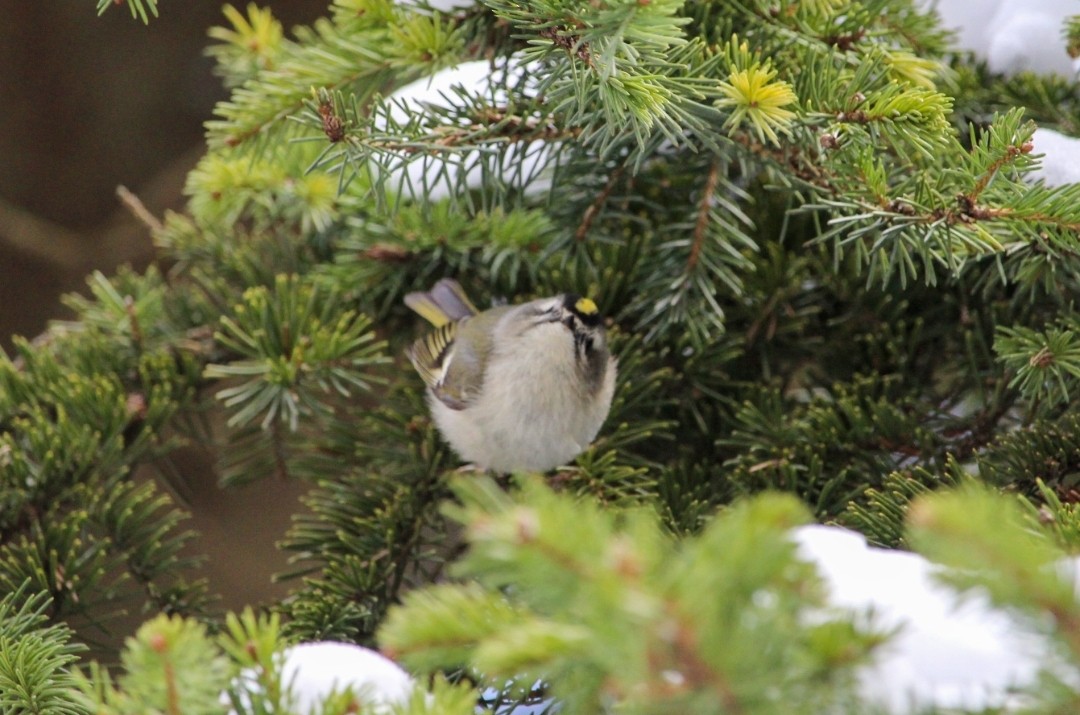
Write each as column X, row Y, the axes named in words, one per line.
column 258, row 34
column 821, row 7
column 912, row 69
column 754, row 96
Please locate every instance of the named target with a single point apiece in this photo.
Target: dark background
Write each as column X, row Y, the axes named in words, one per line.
column 87, row 103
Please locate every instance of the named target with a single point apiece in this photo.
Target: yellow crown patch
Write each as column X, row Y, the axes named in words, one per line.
column 585, row 306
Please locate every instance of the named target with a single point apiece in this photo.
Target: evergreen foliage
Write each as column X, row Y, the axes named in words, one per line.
column 140, row 9
column 35, row 657
column 828, row 267
column 623, row 615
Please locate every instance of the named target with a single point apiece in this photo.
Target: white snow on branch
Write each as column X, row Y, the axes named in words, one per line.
column 433, row 176
column 948, row 651
column 1011, row 35
column 1060, row 164
column 313, row 671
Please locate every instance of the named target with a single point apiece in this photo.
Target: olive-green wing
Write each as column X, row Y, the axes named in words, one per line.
column 452, row 358
column 453, row 373
column 430, row 354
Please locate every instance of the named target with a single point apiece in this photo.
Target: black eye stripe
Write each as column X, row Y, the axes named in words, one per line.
column 583, row 343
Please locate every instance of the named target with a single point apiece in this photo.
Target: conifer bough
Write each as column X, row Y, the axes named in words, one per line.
column 832, row 271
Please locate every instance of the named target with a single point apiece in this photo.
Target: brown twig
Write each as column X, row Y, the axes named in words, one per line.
column 703, row 215
column 594, row 208
column 1010, row 154
column 138, row 209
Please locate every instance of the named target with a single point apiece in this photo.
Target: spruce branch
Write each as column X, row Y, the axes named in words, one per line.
column 868, row 436
column 702, row 258
column 881, row 512
column 373, row 531
column 951, row 229
column 1072, row 36
column 594, row 208
column 753, row 95
column 702, row 222
column 439, row 150
column 143, row 527
column 292, row 344
column 354, row 51
column 1045, row 364
column 170, row 666
column 983, row 537
column 600, row 585
column 253, row 43
column 1061, row 517
column 140, row 9
column 815, row 284
column 35, row 668
column 1047, row 450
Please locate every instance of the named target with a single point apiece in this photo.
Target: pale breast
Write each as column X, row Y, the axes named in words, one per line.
column 532, row 412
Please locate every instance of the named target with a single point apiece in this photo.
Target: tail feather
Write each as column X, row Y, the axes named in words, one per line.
column 446, row 302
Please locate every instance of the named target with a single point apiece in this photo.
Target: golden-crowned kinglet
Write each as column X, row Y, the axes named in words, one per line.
column 515, row 387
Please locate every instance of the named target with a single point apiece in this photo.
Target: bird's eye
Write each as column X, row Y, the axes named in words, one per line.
column 539, row 315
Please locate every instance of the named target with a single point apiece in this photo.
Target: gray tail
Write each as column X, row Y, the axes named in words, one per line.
column 445, row 302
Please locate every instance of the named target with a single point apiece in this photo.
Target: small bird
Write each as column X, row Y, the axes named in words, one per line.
column 515, row 387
